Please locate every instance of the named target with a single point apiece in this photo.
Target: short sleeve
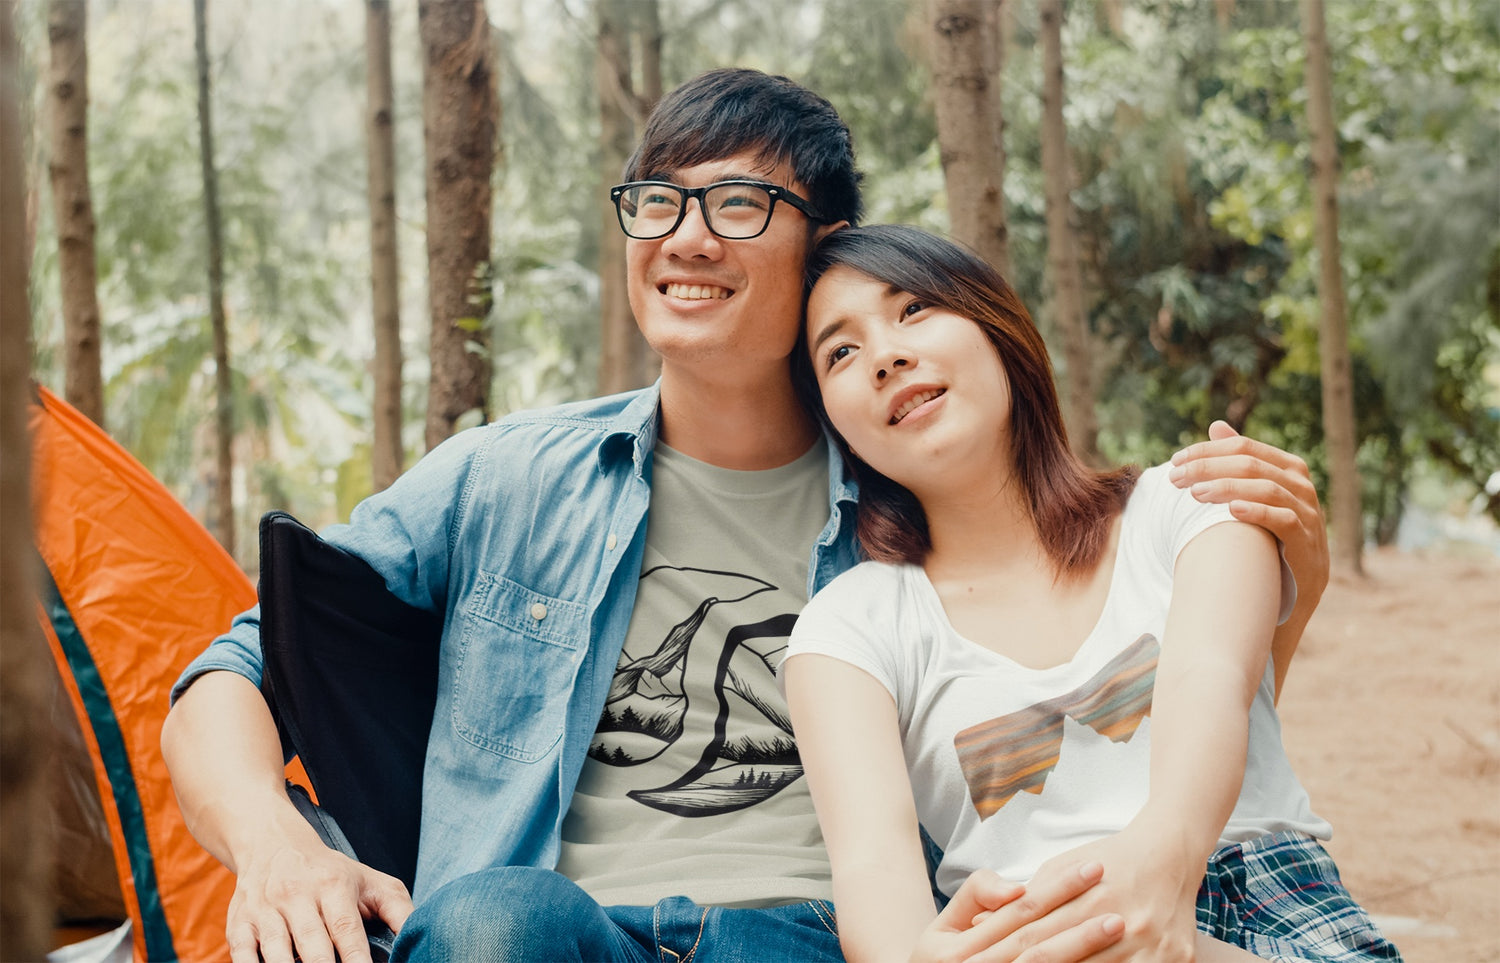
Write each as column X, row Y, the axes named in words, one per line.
column 1180, row 518
column 853, row 619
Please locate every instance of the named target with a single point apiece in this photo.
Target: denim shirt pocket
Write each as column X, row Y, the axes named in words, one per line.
column 517, row 657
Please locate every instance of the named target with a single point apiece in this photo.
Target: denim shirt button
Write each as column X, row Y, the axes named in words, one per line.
column 539, row 611
column 609, row 543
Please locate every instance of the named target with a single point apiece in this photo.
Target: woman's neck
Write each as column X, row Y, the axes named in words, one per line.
column 986, row 527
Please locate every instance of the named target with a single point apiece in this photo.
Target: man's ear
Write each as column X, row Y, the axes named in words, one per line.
column 826, row 229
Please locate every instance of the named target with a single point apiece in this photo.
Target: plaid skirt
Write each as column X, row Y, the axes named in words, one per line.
column 1279, row 897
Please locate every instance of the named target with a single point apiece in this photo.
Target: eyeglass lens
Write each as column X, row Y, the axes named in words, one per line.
column 650, row 211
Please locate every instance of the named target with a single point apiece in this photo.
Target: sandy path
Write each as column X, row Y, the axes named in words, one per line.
column 1392, row 720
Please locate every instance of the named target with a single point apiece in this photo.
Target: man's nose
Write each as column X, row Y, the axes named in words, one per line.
column 692, row 237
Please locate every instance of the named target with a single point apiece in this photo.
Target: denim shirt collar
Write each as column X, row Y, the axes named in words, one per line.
column 633, row 430
column 636, row 427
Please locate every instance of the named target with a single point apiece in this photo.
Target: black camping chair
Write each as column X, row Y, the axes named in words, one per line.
column 351, row 679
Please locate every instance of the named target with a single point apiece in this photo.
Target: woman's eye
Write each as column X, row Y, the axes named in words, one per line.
column 913, row 307
column 838, row 354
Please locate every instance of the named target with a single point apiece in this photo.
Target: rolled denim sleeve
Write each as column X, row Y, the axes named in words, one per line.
column 404, row 533
column 237, row 650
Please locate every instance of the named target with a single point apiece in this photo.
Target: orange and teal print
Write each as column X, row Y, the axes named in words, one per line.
column 1016, row 752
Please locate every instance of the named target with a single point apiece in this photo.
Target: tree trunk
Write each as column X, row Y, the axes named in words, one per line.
column 966, row 98
column 1333, row 332
column 1062, row 246
column 72, row 204
column 621, row 347
column 223, row 521
column 25, row 666
column 387, row 455
column 650, row 32
column 460, row 116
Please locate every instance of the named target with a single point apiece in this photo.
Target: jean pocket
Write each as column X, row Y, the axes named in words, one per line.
column 514, row 671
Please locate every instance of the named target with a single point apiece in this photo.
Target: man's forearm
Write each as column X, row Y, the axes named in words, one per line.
column 221, row 747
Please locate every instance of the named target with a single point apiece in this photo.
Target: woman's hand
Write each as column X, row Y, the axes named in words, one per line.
column 1149, row 881
column 991, row 920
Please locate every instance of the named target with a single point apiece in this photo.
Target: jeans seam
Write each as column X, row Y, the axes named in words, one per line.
column 662, row 950
column 830, row 922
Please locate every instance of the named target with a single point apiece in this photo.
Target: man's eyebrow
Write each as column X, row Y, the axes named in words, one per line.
column 670, row 177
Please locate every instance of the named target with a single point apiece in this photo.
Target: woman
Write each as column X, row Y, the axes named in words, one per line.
column 1044, row 665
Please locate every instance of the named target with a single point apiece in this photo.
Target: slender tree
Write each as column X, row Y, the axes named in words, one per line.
column 1063, row 268
column 649, row 30
column 386, row 456
column 1339, row 432
column 223, row 519
column 621, row 348
column 73, row 205
column 460, row 117
column 25, row 682
column 966, row 100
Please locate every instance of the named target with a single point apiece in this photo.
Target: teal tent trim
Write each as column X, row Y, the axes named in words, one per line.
column 106, row 728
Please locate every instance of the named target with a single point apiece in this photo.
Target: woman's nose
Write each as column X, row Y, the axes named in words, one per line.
column 889, row 365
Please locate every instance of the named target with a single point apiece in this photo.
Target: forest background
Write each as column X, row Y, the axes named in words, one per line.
column 1189, row 287
column 1191, row 191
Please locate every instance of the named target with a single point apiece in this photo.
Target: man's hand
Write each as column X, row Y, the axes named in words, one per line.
column 301, row 897
column 291, row 891
column 1271, row 488
column 990, row 920
column 1264, row 486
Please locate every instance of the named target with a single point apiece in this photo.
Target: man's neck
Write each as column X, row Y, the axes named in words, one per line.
column 749, row 424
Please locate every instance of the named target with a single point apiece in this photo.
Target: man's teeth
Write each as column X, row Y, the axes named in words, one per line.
column 697, row 292
column 916, row 401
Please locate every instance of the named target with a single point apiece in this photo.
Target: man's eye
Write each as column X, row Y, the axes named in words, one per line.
column 744, row 198
column 659, row 198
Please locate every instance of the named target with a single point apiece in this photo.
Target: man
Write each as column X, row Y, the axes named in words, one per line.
column 610, row 772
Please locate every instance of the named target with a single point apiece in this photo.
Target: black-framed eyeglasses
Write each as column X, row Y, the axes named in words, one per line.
column 736, row 210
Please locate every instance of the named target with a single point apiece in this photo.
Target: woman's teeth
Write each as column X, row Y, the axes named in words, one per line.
column 916, row 401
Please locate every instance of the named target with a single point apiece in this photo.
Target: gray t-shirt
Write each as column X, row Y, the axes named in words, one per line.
column 693, row 786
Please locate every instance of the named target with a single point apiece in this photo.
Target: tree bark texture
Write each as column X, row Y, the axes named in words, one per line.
column 966, row 99
column 1339, row 431
column 72, row 204
column 460, row 116
column 650, row 32
column 25, row 665
column 622, row 350
column 386, row 456
column 1063, row 267
column 223, row 520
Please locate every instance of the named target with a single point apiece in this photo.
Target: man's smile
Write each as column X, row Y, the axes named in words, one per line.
column 694, row 292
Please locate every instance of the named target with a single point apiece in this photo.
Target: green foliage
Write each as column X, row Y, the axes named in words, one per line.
column 1190, row 162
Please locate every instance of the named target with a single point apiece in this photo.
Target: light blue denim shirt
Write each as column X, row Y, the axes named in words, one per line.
column 527, row 534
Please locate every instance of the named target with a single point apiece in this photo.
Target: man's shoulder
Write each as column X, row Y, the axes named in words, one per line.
column 627, row 411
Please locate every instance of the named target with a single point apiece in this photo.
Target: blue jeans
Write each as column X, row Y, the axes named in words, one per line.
column 526, row 914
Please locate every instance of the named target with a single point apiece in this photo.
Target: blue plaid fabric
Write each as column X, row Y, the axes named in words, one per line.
column 1279, row 897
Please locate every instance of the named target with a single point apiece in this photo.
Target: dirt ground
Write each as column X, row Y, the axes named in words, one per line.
column 1391, row 717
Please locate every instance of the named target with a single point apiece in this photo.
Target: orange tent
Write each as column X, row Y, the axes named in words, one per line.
column 133, row 589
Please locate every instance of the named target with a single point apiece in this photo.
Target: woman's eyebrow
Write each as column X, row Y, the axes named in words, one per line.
column 829, row 330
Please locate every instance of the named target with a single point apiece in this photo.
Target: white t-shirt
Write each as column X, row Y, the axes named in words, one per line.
column 1011, row 765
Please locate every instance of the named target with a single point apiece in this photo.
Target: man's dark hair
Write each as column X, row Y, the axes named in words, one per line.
column 732, row 111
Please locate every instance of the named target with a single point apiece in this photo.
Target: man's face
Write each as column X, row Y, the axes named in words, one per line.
column 699, row 298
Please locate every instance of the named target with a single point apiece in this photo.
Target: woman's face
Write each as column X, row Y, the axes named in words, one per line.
column 918, row 392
